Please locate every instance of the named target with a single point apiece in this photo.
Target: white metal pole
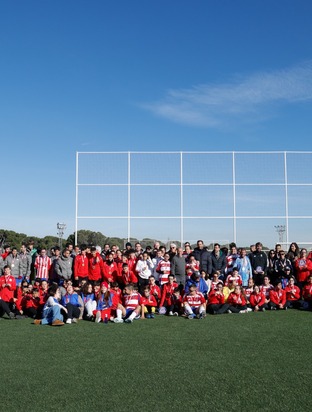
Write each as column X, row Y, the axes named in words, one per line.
column 76, row 208
column 234, row 197
column 181, row 200
column 286, row 195
column 129, row 196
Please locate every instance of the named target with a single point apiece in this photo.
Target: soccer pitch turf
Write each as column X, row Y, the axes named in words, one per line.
column 255, row 362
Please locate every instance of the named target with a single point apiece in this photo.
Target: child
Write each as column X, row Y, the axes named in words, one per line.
column 31, row 304
column 237, row 301
column 155, row 289
column 278, row 297
column 131, row 307
column 257, row 300
column 166, row 295
column 216, row 302
column 292, row 294
column 72, row 301
column 105, row 303
column 234, row 276
column 148, row 304
column 177, row 302
column 88, row 299
column 127, row 276
column 265, row 288
column 163, row 269
column 194, row 303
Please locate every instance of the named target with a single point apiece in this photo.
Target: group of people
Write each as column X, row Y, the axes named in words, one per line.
column 102, row 285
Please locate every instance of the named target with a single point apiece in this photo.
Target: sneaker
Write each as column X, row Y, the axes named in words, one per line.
column 273, row 308
column 58, row 322
column 68, row 321
column 128, row 320
column 19, row 317
column 243, row 311
column 263, row 310
column 98, row 317
column 175, row 314
column 37, row 322
column 229, row 311
column 191, row 316
column 11, row 315
column 171, row 313
column 75, row 320
column 152, row 316
column 148, row 316
column 137, row 317
column 249, row 310
column 202, row 315
column 117, row 320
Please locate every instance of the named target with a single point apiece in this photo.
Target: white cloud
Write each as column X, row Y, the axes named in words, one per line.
column 213, row 105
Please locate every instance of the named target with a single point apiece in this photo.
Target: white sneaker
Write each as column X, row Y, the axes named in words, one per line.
column 117, row 320
column 68, row 321
column 75, row 320
column 229, row 311
column 243, row 311
column 249, row 310
column 98, row 317
column 171, row 313
column 175, row 314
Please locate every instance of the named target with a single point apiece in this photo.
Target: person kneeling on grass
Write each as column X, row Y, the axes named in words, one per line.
column 107, row 301
column 277, row 297
column 166, row 297
column 73, row 303
column 51, row 314
column 237, row 301
column 194, row 303
column 257, row 300
column 148, row 304
column 131, row 307
column 216, row 302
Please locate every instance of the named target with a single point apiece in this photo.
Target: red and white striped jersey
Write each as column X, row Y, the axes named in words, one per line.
column 43, row 264
column 132, row 301
column 232, row 278
column 164, row 269
column 265, row 289
column 194, row 300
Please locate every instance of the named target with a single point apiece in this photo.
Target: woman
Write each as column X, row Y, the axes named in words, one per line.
column 73, row 303
column 243, row 266
column 237, row 301
column 88, row 299
column 303, row 266
column 216, row 303
column 51, row 314
column 292, row 294
column 257, row 300
column 106, row 302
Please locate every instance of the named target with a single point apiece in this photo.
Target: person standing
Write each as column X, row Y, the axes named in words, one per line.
column 43, row 264
column 178, row 267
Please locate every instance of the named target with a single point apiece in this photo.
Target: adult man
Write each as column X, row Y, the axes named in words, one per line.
column 203, row 257
column 178, row 267
column 64, row 266
column 218, row 261
column 43, row 264
column 259, row 263
column 25, row 262
column 13, row 261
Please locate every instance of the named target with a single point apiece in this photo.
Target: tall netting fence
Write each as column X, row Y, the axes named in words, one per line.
column 182, row 196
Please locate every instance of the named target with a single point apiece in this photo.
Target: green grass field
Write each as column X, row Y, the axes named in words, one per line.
column 256, row 362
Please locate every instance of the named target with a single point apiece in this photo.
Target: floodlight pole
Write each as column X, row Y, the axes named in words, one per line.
column 60, row 232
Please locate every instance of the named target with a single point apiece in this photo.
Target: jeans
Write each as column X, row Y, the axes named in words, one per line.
column 51, row 314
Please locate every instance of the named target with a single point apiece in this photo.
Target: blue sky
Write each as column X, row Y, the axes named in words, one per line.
column 142, row 76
